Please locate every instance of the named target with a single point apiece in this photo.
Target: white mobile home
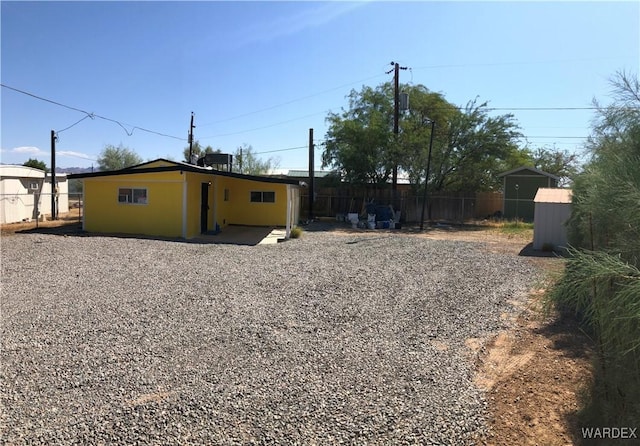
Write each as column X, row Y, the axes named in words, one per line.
column 25, row 193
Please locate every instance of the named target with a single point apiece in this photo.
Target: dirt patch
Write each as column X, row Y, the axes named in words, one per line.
column 535, row 372
column 534, row 375
column 67, row 219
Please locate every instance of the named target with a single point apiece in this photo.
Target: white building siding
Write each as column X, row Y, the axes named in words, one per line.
column 23, row 188
column 549, row 225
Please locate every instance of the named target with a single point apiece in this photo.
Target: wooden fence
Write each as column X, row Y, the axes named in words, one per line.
column 449, row 206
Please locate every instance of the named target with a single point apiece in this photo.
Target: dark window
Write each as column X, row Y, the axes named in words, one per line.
column 263, row 197
column 132, row 196
column 269, row 197
column 256, row 197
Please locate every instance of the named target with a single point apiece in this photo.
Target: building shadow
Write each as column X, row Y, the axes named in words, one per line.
column 528, row 251
column 230, row 235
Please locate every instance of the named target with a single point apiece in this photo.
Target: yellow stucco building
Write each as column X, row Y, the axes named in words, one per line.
column 175, row 199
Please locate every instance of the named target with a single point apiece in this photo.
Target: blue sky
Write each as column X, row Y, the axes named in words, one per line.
column 264, row 73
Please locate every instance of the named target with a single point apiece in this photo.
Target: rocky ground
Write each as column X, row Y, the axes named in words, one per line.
column 358, row 338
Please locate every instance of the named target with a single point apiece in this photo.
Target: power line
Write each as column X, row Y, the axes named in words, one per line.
column 44, row 99
column 380, row 75
column 133, row 127
column 537, row 108
column 92, row 115
column 494, row 64
column 434, row 108
column 558, row 137
column 280, row 150
column 263, row 127
column 291, row 101
column 76, row 123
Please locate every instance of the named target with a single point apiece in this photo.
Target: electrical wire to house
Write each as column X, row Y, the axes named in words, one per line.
column 93, row 115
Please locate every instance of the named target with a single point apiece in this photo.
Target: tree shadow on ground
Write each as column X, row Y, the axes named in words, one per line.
column 572, row 343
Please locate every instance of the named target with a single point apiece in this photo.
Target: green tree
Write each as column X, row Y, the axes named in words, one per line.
column 475, row 148
column 413, row 144
column 561, row 163
column 606, row 214
column 469, row 146
column 36, row 164
column 245, row 161
column 198, row 151
column 358, row 141
column 114, row 158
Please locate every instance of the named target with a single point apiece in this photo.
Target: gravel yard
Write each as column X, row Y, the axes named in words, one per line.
column 328, row 339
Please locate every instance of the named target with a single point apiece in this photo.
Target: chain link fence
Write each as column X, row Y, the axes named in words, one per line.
column 36, row 207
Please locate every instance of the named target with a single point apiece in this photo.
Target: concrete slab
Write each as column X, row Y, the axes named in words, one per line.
column 244, row 235
column 274, row 236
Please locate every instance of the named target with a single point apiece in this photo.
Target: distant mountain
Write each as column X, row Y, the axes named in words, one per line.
column 74, row 169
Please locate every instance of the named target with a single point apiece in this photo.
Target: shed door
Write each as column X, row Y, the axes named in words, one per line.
column 204, row 207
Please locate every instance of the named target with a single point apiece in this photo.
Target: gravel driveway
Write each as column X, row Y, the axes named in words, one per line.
column 329, row 339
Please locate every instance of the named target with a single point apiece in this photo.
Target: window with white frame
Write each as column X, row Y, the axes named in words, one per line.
column 132, row 195
column 263, row 197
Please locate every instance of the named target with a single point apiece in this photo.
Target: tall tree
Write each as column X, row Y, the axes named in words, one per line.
column 426, row 107
column 475, row 149
column 469, row 146
column 606, row 214
column 561, row 163
column 198, row 151
column 36, row 164
column 245, row 161
column 114, row 158
column 358, row 141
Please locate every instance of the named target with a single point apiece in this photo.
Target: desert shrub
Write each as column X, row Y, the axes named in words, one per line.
column 601, row 283
column 296, row 232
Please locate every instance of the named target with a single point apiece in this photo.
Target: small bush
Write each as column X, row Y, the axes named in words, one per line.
column 296, row 232
column 516, row 228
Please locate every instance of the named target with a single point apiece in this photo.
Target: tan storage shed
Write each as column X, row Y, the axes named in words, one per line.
column 552, row 210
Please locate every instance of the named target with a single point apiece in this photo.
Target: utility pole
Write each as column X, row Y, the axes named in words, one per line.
column 426, row 180
column 53, row 176
column 240, row 160
column 396, row 119
column 311, row 175
column 191, row 127
column 396, row 127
